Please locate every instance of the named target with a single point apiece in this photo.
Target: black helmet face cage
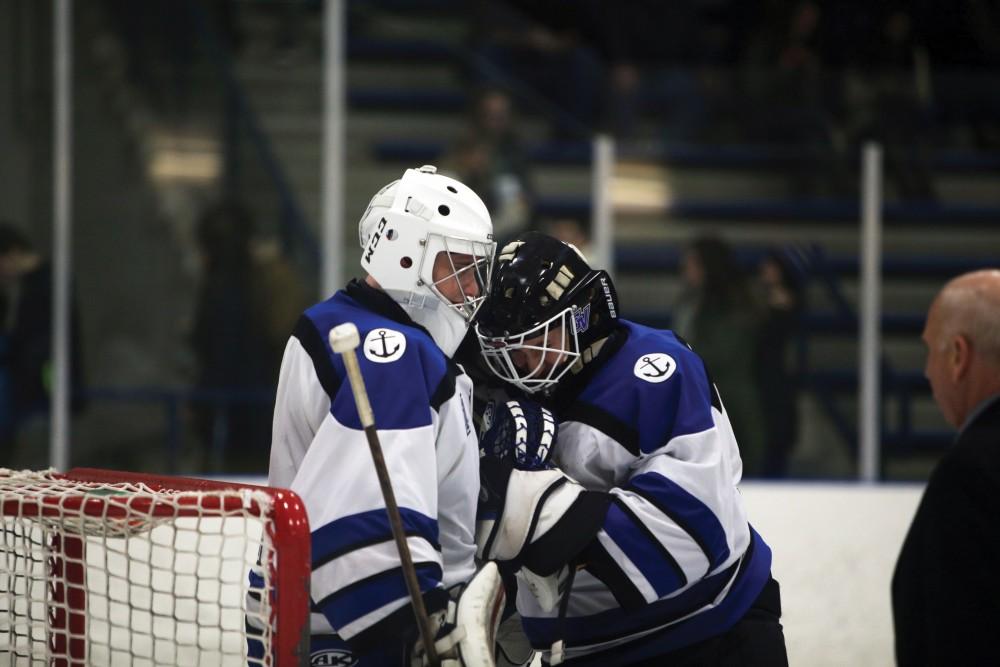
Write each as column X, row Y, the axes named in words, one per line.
column 477, row 269
column 556, row 352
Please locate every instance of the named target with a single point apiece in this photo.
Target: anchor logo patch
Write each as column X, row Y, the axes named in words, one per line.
column 384, row 345
column 654, row 367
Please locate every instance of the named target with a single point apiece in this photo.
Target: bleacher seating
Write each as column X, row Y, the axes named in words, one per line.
column 733, row 156
column 651, row 246
column 656, row 249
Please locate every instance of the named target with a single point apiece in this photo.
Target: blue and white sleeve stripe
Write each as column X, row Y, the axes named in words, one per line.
column 692, row 515
column 650, row 559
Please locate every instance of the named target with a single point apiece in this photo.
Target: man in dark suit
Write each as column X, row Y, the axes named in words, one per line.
column 946, row 588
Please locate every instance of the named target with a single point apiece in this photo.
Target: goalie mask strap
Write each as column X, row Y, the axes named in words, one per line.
column 588, row 355
column 557, row 652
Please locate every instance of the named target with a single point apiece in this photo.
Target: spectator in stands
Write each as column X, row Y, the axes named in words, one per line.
column 963, row 50
column 781, row 297
column 891, row 105
column 945, row 589
column 26, row 338
column 717, row 315
column 247, row 301
column 793, row 104
column 623, row 99
column 160, row 39
column 489, row 157
column 545, row 58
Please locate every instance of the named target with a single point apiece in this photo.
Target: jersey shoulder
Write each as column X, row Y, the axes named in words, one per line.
column 654, row 385
column 404, row 371
column 650, row 360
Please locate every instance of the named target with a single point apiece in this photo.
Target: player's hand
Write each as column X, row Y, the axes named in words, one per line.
column 520, row 431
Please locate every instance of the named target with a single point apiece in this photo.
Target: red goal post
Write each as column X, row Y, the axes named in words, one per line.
column 106, row 567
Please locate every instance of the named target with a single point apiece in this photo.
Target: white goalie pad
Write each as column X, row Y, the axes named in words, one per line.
column 470, row 623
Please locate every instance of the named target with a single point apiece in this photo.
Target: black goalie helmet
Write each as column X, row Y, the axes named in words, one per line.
column 546, row 307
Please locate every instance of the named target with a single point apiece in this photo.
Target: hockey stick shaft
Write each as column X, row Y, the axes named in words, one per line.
column 344, row 341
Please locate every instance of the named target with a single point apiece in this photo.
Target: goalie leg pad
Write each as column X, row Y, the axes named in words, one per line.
column 466, row 631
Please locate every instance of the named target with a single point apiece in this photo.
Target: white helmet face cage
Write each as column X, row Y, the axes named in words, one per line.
column 497, row 351
column 423, row 219
column 468, row 263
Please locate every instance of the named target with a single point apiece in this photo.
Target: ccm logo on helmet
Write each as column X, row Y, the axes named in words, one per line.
column 374, row 240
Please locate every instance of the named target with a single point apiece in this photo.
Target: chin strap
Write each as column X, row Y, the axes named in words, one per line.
column 588, row 355
column 445, row 325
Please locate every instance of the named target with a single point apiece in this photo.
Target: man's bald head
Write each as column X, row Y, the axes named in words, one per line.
column 963, row 340
column 970, row 306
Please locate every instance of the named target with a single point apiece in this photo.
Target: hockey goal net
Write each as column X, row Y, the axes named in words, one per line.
column 99, row 567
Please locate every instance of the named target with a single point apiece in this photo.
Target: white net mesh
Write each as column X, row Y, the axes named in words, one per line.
column 125, row 574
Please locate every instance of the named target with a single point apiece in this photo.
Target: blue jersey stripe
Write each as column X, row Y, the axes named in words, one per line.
column 603, row 566
column 645, row 552
column 691, row 405
column 608, row 625
column 752, row 573
column 396, row 404
column 366, row 595
column 692, row 515
column 366, row 528
column 318, row 350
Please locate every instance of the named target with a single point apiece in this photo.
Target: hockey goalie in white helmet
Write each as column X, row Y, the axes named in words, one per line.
column 427, row 240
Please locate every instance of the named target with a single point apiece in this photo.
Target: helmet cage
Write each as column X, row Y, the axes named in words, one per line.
column 496, row 351
column 479, row 269
column 407, row 226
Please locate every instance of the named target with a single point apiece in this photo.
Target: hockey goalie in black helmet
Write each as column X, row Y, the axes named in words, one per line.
column 549, row 312
column 613, row 496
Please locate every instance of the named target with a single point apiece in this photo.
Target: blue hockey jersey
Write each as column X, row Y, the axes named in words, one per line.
column 422, row 406
column 675, row 560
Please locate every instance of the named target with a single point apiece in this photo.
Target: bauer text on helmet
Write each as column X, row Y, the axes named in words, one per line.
column 548, row 313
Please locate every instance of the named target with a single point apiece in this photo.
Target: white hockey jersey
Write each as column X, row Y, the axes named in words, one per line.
column 675, row 560
column 422, row 406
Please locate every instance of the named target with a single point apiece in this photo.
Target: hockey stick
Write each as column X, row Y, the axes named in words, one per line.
column 344, row 340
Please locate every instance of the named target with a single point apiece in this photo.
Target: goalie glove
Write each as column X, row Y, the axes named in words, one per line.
column 522, row 431
column 466, row 630
column 538, row 519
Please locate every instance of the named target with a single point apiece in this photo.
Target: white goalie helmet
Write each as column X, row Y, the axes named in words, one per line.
column 407, row 226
